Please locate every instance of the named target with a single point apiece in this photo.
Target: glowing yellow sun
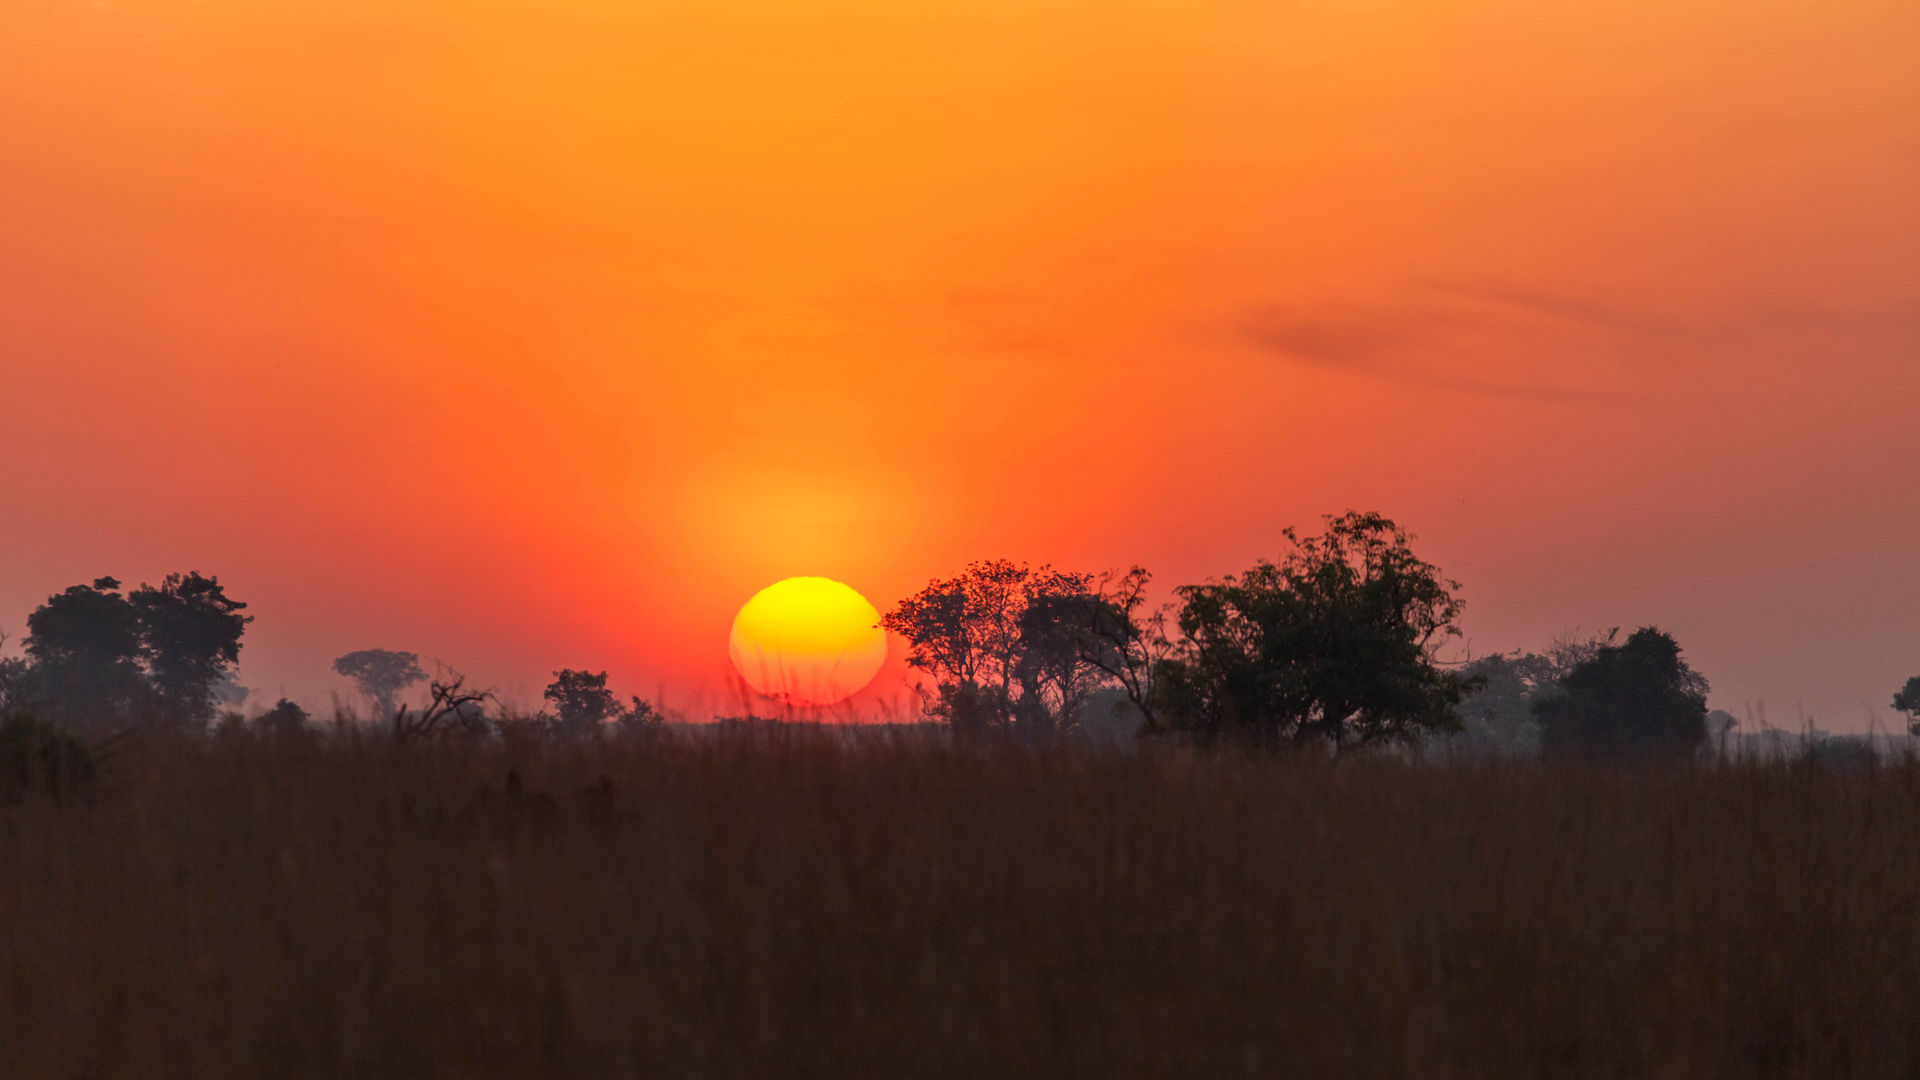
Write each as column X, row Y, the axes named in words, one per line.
column 808, row 640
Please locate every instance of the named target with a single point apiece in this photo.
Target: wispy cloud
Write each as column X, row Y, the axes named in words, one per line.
column 1410, row 345
column 1569, row 309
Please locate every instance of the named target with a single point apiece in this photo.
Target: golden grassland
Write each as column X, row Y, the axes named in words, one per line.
column 775, row 902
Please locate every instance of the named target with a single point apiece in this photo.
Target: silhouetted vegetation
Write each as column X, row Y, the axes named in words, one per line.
column 190, row 638
column 14, row 681
column 584, row 706
column 1499, row 715
column 781, row 900
column 97, row 658
column 284, row 719
column 1908, row 702
column 1336, row 643
column 1840, row 751
column 36, row 754
column 1126, row 640
column 84, row 649
column 470, row 890
column 381, row 675
column 1637, row 698
column 452, row 710
column 1005, row 646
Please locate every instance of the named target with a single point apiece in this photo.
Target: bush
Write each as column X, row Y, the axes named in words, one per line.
column 37, row 754
column 1841, row 752
column 284, row 719
column 1635, row 699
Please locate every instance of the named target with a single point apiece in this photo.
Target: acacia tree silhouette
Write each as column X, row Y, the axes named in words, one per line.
column 381, row 675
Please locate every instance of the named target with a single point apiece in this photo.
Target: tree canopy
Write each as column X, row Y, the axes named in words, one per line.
column 1908, row 701
column 86, row 646
column 1637, row 698
column 1334, row 642
column 584, row 705
column 381, row 675
column 1003, row 642
column 1499, row 715
column 582, row 699
column 191, row 632
column 99, row 657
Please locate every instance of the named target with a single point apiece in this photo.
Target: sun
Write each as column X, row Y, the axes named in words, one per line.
column 808, row 641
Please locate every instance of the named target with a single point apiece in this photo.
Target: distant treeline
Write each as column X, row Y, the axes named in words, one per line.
column 1336, row 645
column 98, row 657
column 99, row 660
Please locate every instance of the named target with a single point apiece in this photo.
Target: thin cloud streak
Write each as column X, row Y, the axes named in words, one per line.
column 1565, row 308
column 1377, row 345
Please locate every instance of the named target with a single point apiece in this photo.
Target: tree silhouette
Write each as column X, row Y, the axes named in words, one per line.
column 1639, row 698
column 1908, row 701
column 581, row 700
column 1335, row 642
column 14, row 685
column 1118, row 636
column 381, row 675
column 190, row 631
column 1003, row 643
column 85, row 647
column 452, row 710
column 1499, row 715
column 641, row 718
column 284, row 719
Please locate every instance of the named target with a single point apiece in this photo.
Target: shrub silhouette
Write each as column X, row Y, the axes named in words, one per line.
column 36, row 753
column 1637, row 698
column 285, row 718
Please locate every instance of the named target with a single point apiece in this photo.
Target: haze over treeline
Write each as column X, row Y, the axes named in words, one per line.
column 1344, row 641
column 543, row 335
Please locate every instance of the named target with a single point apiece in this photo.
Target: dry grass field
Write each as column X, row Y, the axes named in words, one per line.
column 802, row 904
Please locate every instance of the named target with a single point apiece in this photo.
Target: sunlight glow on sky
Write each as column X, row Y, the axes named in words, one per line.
column 530, row 335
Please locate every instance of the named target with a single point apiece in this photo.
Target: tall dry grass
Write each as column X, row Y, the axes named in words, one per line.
column 806, row 904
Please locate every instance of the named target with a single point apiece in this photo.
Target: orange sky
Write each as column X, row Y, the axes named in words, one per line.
column 529, row 334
